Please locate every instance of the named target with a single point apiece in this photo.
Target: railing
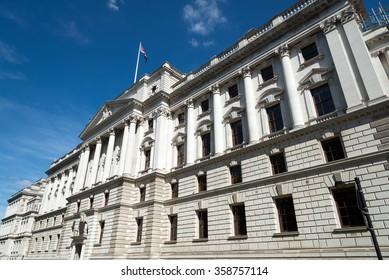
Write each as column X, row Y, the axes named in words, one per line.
column 296, row 8
column 376, row 19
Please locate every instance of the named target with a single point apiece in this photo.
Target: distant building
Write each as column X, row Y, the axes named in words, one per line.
column 252, row 155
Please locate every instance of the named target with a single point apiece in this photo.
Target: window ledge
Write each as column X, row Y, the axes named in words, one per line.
column 350, row 229
column 286, row 234
column 312, row 60
column 237, row 237
column 200, row 240
column 135, row 243
column 206, row 113
column 170, row 242
column 97, row 245
column 232, row 100
column 268, row 82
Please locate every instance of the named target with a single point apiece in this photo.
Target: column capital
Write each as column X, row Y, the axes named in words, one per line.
column 347, row 15
column 215, row 89
column 133, row 119
column 246, row 71
column 329, row 25
column 190, row 103
column 283, row 51
column 111, row 132
column 161, row 112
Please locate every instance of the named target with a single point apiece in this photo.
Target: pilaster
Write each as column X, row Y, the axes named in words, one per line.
column 217, row 116
column 108, row 159
column 249, row 99
column 190, row 133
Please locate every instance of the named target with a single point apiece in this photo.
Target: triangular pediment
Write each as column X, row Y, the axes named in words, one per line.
column 233, row 113
column 179, row 138
column 314, row 77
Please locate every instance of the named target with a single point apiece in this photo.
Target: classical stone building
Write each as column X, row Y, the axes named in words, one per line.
column 252, row 155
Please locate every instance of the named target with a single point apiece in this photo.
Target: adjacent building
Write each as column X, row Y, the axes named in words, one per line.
column 252, row 155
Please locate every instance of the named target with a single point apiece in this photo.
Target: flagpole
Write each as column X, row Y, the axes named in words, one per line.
column 137, row 64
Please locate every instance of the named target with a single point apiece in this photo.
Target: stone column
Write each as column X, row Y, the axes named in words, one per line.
column 60, row 195
column 79, row 169
column 84, row 168
column 343, row 65
column 108, row 159
column 137, row 156
column 123, row 151
column 249, row 99
column 129, row 155
column 291, row 89
column 96, row 159
column 361, row 55
column 217, row 116
column 190, row 134
column 161, row 141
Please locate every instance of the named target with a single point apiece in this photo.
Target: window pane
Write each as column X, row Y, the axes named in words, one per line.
column 278, row 163
column 237, row 133
column 286, row 214
column 206, row 144
column 236, row 174
column 174, row 187
column 333, row 149
column 180, row 154
column 233, row 91
column 204, row 106
column 275, row 118
column 323, row 100
column 267, row 73
column 173, row 227
column 203, row 223
column 346, row 202
column 239, row 220
column 202, row 182
column 309, row 51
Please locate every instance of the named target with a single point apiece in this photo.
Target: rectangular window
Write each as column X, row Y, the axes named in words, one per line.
column 142, row 192
column 323, row 100
column 150, row 123
column 174, row 187
column 173, row 227
column 310, row 51
column 181, row 118
column 233, row 91
column 236, row 174
column 58, row 239
column 102, row 225
column 239, row 215
column 202, row 215
column 275, row 118
column 278, row 163
column 237, row 133
column 206, row 144
column 78, row 207
column 204, row 106
column 267, row 73
column 91, row 199
column 333, row 149
column 139, row 223
column 286, row 214
column 106, row 198
column 347, row 205
column 147, row 158
column 202, row 182
column 180, row 154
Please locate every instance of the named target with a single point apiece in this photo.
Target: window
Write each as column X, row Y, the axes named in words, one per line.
column 91, row 199
column 323, row 100
column 206, row 144
column 237, row 133
column 142, row 192
column 78, row 207
column 204, row 106
column 106, row 198
column 233, row 91
column 333, row 149
column 202, row 182
column 150, row 123
column 174, row 187
column 239, row 215
column 102, row 224
column 236, row 174
column 173, row 227
column 347, row 205
column 267, row 73
column 181, row 118
column 139, row 223
column 275, row 118
column 58, row 238
column 147, row 158
column 278, row 163
column 309, row 51
column 286, row 214
column 202, row 215
column 180, row 154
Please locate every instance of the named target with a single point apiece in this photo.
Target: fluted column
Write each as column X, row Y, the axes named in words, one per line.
column 96, row 159
column 190, row 134
column 249, row 98
column 129, row 155
column 161, row 141
column 291, row 88
column 123, row 151
column 217, row 116
column 108, row 159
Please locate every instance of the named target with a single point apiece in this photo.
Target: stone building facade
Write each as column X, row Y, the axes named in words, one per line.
column 252, row 155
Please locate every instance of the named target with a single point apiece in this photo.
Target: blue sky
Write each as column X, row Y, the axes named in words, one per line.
column 60, row 60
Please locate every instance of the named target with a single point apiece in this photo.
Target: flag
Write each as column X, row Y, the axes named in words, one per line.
column 142, row 50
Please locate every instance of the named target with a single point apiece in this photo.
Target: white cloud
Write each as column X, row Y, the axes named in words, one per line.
column 8, row 53
column 203, row 16
column 194, row 43
column 113, row 5
column 24, row 183
column 208, row 43
column 70, row 30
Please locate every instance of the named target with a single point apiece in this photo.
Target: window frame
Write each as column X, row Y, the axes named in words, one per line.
column 139, row 229
column 180, row 154
column 239, row 219
column 325, row 106
column 336, row 154
column 202, row 216
column 274, row 117
column 173, row 219
column 236, row 174
column 309, row 51
column 286, row 214
column 233, row 91
column 202, row 182
column 276, row 166
column 174, row 189
column 206, row 144
column 237, row 132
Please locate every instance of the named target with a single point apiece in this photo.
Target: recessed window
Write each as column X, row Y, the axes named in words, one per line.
column 139, row 223
column 347, row 206
column 181, row 118
column 202, row 215
column 91, row 200
column 233, row 91
column 323, row 100
column 278, row 163
column 78, row 206
column 102, row 225
column 204, row 106
column 180, row 154
column 147, row 154
column 239, row 215
column 206, row 144
column 237, row 133
column 267, row 73
column 333, row 149
column 142, row 192
column 310, row 51
column 236, row 174
column 202, row 182
column 150, row 123
column 275, row 118
column 286, row 214
column 106, row 198
column 173, row 227
column 174, row 188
